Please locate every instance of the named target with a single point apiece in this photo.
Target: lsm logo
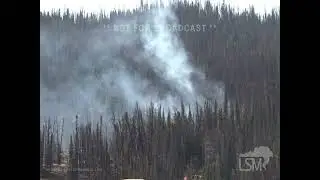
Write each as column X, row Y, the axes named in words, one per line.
column 256, row 160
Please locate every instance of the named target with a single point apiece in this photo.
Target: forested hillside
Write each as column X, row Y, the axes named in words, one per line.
column 242, row 52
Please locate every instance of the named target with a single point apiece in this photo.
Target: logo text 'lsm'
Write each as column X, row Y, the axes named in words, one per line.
column 256, row 160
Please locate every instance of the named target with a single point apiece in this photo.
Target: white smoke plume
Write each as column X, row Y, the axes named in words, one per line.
column 100, row 81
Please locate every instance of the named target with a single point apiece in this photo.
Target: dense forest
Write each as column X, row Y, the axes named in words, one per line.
column 243, row 52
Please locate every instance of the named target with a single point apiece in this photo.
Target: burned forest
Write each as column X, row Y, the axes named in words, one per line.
column 120, row 100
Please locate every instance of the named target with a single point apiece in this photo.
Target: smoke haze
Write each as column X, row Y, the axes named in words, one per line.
column 115, row 70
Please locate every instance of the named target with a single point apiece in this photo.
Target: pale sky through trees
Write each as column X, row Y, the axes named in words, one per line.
column 107, row 5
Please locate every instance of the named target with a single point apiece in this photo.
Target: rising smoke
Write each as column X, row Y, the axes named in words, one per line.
column 113, row 70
